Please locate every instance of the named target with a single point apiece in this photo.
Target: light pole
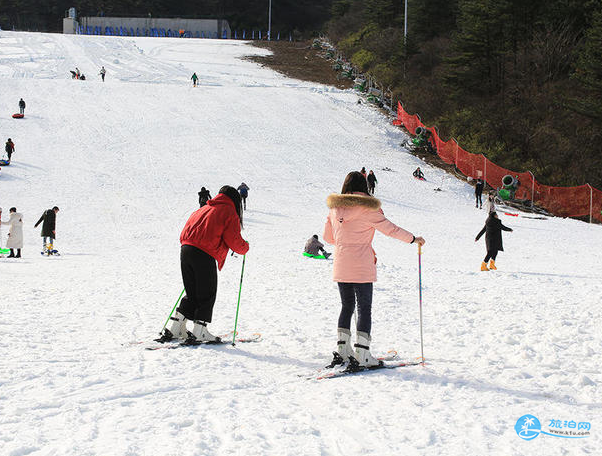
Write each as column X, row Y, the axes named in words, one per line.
column 405, row 22
column 270, row 21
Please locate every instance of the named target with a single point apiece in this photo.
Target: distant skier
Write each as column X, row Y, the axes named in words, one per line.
column 478, row 191
column 73, row 74
column 418, row 174
column 15, row 233
column 204, row 196
column 243, row 189
column 103, row 73
column 22, row 106
column 194, row 78
column 9, row 147
column 490, row 203
column 313, row 247
column 353, row 218
column 371, row 182
column 48, row 228
column 363, row 171
column 77, row 73
column 208, row 235
column 493, row 239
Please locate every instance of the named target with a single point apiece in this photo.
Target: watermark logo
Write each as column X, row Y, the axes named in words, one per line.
column 528, row 427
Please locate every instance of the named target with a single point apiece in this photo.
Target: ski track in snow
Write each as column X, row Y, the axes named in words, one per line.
column 124, row 160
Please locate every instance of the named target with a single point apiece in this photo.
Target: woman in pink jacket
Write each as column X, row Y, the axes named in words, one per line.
column 354, row 216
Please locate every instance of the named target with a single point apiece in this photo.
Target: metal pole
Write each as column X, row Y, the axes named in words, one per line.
column 238, row 305
column 591, row 202
column 420, row 295
column 532, row 188
column 405, row 22
column 485, row 169
column 270, row 21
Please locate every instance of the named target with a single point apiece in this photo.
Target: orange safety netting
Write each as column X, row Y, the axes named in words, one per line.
column 580, row 201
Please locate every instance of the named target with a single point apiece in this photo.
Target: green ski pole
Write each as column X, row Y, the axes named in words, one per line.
column 238, row 305
column 174, row 308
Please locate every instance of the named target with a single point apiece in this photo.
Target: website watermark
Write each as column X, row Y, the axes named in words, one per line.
column 529, row 427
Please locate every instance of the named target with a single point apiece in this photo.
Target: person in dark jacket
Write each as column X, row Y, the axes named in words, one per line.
column 48, row 227
column 243, row 189
column 418, row 174
column 208, row 235
column 9, row 148
column 371, row 182
column 493, row 239
column 204, row 196
column 21, row 106
column 313, row 247
column 478, row 191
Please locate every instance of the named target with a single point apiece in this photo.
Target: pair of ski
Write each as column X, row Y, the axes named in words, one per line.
column 389, row 361
column 223, row 340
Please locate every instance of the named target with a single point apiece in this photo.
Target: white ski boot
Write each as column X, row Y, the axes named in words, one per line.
column 177, row 329
column 344, row 350
column 200, row 334
column 362, row 351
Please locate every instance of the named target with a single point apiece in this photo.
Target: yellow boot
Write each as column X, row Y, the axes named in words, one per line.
column 484, row 266
column 492, row 265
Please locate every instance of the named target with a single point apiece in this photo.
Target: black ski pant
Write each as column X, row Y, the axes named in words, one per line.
column 199, row 274
column 479, row 200
column 371, row 189
column 244, row 202
column 352, row 293
column 491, row 254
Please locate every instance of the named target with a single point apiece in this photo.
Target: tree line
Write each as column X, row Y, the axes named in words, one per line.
column 520, row 82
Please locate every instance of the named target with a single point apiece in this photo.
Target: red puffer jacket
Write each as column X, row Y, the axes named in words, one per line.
column 215, row 228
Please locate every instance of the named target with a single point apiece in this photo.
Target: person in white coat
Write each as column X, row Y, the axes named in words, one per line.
column 15, row 233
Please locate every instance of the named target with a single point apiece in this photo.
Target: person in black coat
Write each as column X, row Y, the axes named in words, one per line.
column 22, row 106
column 49, row 226
column 371, row 182
column 478, row 191
column 493, row 239
column 204, row 196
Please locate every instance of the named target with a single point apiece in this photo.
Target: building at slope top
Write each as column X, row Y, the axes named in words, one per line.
column 145, row 26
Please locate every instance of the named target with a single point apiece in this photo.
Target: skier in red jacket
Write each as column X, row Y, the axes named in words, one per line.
column 208, row 235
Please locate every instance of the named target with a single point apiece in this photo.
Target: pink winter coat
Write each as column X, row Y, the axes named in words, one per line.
column 350, row 227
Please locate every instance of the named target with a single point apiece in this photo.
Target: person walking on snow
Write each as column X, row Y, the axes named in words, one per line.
column 363, row 171
column 22, row 106
column 204, row 196
column 418, row 174
column 353, row 218
column 243, row 189
column 9, row 147
column 15, row 233
column 371, row 182
column 313, row 247
column 493, row 239
column 102, row 73
column 48, row 227
column 478, row 191
column 490, row 203
column 194, row 78
column 208, row 235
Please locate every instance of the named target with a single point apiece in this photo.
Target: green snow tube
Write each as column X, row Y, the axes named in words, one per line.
column 317, row 257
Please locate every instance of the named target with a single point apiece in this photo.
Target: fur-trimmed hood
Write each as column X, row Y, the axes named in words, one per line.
column 337, row 200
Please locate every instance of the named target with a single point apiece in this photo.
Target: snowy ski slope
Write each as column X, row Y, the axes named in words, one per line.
column 124, row 161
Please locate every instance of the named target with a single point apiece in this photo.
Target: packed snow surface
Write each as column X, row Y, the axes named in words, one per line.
column 124, row 161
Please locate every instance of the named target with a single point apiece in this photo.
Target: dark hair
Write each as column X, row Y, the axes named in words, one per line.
column 12, row 209
column 55, row 208
column 233, row 194
column 315, row 236
column 355, row 182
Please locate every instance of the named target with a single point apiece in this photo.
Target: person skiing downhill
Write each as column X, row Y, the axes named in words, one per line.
column 9, row 147
column 313, row 247
column 22, row 106
column 371, row 182
column 493, row 240
column 208, row 235
column 243, row 189
column 15, row 233
column 194, row 78
column 204, row 196
column 48, row 228
column 353, row 218
column 478, row 191
column 103, row 73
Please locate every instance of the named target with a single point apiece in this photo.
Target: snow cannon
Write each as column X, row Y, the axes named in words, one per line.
column 421, row 131
column 509, row 182
column 504, row 194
